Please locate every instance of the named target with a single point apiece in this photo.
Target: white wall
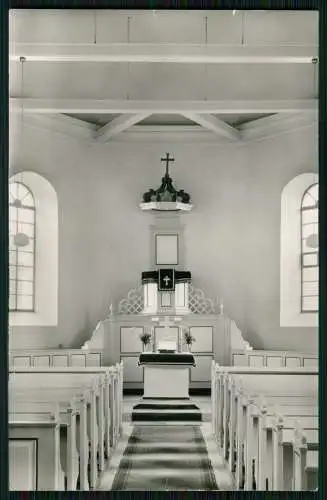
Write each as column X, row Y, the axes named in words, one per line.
column 232, row 237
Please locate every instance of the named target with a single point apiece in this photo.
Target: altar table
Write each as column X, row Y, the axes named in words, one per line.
column 166, row 375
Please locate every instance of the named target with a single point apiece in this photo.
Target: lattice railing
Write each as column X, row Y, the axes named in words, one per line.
column 133, row 303
column 198, row 303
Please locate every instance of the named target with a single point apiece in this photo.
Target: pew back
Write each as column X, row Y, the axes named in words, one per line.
column 52, row 358
column 274, row 359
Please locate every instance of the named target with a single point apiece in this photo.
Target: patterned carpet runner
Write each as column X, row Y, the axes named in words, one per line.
column 165, row 458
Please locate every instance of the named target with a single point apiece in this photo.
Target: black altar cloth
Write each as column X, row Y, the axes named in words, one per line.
column 167, row 359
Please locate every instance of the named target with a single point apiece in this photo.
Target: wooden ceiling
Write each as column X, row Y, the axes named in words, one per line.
column 115, row 74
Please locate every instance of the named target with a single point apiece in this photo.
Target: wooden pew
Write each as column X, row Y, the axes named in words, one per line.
column 295, row 453
column 102, row 407
column 115, row 375
column 75, row 434
column 232, row 419
column 250, row 433
column 34, row 453
column 255, row 380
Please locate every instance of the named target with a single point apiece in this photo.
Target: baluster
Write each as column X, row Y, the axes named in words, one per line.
column 84, row 446
column 277, row 444
column 299, row 459
column 248, row 445
column 262, row 455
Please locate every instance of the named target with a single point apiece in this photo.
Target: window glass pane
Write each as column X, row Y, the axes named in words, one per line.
column 24, row 302
column 12, row 227
column 310, row 303
column 310, row 274
column 25, row 273
column 310, row 216
column 12, row 286
column 12, row 257
column 24, row 288
column 13, row 213
column 311, row 196
column 26, row 215
column 25, row 259
column 27, row 248
column 308, row 229
column 26, row 228
column 307, row 248
column 12, row 302
column 310, row 259
column 12, row 272
column 310, row 288
column 12, row 245
column 28, row 200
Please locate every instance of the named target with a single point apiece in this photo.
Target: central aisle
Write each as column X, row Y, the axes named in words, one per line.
column 165, row 458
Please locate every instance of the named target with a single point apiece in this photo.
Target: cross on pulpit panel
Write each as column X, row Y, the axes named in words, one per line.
column 166, row 280
column 167, row 160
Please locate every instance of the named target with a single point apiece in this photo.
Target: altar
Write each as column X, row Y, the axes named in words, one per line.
column 166, row 375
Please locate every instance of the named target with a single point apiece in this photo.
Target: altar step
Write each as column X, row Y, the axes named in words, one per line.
column 168, row 412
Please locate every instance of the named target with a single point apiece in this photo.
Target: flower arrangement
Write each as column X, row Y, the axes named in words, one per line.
column 145, row 338
column 188, row 338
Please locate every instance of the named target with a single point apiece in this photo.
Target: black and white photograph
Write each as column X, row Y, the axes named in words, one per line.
column 163, row 255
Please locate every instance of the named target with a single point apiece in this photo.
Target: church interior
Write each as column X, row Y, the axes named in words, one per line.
column 163, row 250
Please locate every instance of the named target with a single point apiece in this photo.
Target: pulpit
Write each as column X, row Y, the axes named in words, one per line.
column 166, row 375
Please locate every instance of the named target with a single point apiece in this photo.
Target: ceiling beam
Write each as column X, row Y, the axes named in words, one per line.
column 165, row 53
column 215, row 125
column 65, row 125
column 280, row 123
column 97, row 106
column 118, row 125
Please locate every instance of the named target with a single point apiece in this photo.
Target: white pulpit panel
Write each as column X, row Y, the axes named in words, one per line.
column 93, row 359
column 166, row 335
column 310, row 362
column 274, row 361
column 203, row 338
column 166, row 249
column 60, row 360
column 21, row 361
column 41, row 361
column 240, row 360
column 292, row 362
column 78, row 360
column 256, row 361
column 202, row 371
column 130, row 339
column 132, row 372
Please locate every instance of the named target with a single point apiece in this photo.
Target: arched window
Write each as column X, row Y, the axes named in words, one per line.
column 33, row 251
column 309, row 250
column 299, row 252
column 21, row 248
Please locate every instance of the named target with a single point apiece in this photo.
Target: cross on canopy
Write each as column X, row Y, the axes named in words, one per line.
column 167, row 160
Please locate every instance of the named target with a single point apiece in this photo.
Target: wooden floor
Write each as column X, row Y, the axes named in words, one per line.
column 223, row 478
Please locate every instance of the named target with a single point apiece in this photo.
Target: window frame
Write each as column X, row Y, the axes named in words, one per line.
column 46, row 253
column 16, row 279
column 303, row 266
column 291, row 252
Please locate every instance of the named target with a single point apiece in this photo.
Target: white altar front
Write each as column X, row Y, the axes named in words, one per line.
column 166, row 376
